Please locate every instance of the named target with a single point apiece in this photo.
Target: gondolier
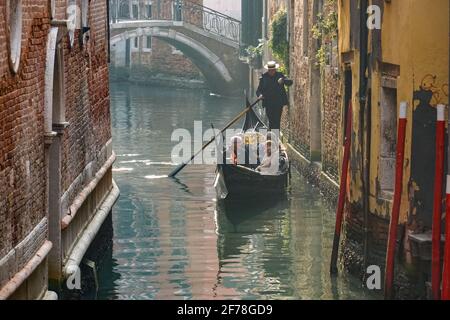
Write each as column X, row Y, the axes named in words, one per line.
column 241, row 180
column 273, row 92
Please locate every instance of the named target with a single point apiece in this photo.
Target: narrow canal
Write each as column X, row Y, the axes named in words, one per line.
column 172, row 240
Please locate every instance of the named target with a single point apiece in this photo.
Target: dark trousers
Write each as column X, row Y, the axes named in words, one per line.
column 274, row 115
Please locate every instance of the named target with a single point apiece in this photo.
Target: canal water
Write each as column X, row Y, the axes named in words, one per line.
column 173, row 240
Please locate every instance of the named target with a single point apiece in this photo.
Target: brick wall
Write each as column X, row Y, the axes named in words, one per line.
column 87, row 98
column 331, row 122
column 163, row 60
column 22, row 167
column 298, row 123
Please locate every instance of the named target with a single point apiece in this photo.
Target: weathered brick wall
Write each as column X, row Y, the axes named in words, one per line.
column 22, row 167
column 352, row 248
column 163, row 60
column 296, row 122
column 331, row 122
column 87, row 98
column 299, row 124
column 23, row 172
column 331, row 109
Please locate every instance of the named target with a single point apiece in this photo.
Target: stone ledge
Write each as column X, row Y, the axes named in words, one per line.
column 20, row 277
column 79, row 249
column 21, row 254
column 312, row 171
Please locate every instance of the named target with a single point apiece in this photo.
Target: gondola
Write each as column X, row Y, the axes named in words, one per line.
column 242, row 181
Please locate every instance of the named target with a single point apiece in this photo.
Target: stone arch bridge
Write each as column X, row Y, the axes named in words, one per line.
column 210, row 39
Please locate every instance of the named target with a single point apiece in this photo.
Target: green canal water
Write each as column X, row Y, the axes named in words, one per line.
column 173, row 240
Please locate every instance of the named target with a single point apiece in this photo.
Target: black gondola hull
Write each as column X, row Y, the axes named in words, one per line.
column 238, row 181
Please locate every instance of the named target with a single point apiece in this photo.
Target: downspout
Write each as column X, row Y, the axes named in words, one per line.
column 108, row 30
column 365, row 118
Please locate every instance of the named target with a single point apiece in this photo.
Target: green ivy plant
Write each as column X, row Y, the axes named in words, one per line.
column 255, row 52
column 278, row 42
column 325, row 31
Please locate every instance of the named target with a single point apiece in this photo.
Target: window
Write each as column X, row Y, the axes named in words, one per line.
column 14, row 14
column 136, row 42
column 85, row 20
column 124, row 10
column 58, row 107
column 84, row 13
column 148, row 10
column 53, row 8
column 388, row 141
column 74, row 17
column 135, row 11
column 148, row 42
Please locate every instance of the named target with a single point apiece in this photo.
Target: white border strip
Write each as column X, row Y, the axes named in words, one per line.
column 72, row 264
column 403, row 109
column 448, row 184
column 84, row 194
column 440, row 112
column 21, row 276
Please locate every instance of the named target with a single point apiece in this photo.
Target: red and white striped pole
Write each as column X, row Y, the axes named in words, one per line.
column 437, row 207
column 446, row 273
column 342, row 191
column 392, row 237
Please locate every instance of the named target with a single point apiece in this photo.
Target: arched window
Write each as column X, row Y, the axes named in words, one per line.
column 85, row 27
column 73, row 15
column 14, row 16
column 124, row 9
column 84, row 13
column 53, row 8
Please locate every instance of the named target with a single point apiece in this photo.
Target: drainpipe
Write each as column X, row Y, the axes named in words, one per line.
column 108, row 30
column 365, row 120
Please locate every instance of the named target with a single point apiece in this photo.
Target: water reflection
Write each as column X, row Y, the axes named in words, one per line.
column 172, row 240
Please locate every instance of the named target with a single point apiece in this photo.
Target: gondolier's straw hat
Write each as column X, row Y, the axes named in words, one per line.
column 271, row 65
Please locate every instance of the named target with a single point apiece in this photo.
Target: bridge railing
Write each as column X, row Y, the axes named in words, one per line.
column 208, row 19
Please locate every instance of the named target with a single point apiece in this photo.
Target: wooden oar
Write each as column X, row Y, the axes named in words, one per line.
column 236, row 119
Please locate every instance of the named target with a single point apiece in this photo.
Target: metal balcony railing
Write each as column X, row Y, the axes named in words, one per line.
column 209, row 20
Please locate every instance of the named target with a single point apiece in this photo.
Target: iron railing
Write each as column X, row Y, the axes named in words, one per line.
column 208, row 19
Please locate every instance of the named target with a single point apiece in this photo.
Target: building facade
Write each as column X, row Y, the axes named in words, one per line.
column 146, row 58
column 372, row 56
column 56, row 185
column 394, row 61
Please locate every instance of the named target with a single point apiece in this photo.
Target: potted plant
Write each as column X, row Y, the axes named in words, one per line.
column 254, row 54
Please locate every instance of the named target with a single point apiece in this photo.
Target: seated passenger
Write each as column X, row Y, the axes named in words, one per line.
column 271, row 162
column 253, row 152
column 237, row 152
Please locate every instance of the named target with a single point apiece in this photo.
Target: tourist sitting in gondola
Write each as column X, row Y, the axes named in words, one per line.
column 237, row 151
column 270, row 165
column 244, row 179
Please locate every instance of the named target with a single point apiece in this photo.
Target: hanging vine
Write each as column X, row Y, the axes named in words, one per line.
column 279, row 39
column 325, row 31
